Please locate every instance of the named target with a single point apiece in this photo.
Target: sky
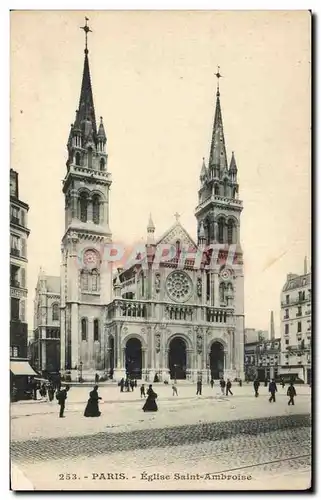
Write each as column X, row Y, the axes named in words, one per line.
column 154, row 84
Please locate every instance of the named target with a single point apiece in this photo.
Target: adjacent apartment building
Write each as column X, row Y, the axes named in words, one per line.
column 296, row 325
column 19, row 232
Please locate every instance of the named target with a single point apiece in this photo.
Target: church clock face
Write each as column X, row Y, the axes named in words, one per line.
column 179, row 286
column 90, row 258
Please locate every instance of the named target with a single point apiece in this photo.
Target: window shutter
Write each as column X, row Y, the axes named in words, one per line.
column 23, row 248
column 23, row 278
column 22, row 310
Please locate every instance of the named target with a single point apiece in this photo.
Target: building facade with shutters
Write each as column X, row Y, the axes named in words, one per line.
column 45, row 345
column 296, row 326
column 19, row 233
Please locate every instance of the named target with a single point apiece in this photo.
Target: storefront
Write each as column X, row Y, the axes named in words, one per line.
column 21, row 375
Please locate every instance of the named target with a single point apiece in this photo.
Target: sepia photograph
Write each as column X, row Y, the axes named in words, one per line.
column 160, row 250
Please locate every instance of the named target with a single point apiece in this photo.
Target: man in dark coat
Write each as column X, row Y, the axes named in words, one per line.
column 272, row 390
column 256, row 385
column 228, row 387
column 199, row 388
column 282, row 383
column 291, row 393
column 122, row 383
column 61, row 397
column 132, row 384
column 142, row 391
column 222, row 385
column 212, row 383
column 150, row 404
column 51, row 392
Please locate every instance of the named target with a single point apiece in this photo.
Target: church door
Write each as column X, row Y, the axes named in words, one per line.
column 177, row 359
column 133, row 363
column 217, row 360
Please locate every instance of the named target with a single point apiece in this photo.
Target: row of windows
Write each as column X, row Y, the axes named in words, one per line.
column 298, row 313
column 18, row 246
column 84, row 330
column 287, row 328
column 301, row 296
column 102, row 162
column 226, row 232
column 83, row 208
column 89, row 280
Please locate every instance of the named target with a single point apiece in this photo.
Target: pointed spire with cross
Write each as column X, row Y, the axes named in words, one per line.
column 218, row 76
column 86, row 30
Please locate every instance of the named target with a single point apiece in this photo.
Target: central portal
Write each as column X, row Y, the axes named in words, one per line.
column 133, row 362
column 177, row 358
column 217, row 360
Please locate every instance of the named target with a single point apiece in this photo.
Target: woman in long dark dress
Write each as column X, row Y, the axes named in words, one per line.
column 150, row 404
column 92, row 409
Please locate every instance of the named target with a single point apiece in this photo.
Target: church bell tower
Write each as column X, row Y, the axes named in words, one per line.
column 86, row 278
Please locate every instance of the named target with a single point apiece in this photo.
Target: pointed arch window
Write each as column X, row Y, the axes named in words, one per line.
column 221, row 224
column 84, row 329
column 230, row 232
column 222, row 292
column 84, row 280
column 83, row 201
column 55, row 312
column 96, row 209
column 216, row 190
column 77, row 158
column 96, row 330
column 94, row 280
column 178, row 248
column 143, row 284
column 102, row 164
column 90, row 158
column 225, row 188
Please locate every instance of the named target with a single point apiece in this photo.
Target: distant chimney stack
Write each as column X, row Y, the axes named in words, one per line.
column 272, row 332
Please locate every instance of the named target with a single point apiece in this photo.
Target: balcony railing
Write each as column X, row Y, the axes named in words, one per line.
column 292, row 302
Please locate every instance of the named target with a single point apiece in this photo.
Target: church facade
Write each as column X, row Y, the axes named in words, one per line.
column 182, row 317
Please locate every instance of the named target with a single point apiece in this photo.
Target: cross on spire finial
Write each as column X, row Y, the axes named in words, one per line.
column 177, row 216
column 86, row 30
column 218, row 76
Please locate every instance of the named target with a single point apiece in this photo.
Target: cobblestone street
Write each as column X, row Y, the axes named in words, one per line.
column 238, row 435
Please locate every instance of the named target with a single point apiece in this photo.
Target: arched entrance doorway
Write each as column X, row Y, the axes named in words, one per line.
column 133, row 361
column 177, row 358
column 217, row 360
column 111, row 356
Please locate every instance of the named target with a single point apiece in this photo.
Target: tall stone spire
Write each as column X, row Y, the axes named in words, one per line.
column 85, row 117
column 150, row 230
column 217, row 158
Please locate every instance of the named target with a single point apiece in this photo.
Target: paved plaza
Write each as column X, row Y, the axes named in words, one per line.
column 189, row 434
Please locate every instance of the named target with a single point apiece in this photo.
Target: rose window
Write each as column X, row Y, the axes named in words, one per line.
column 179, row 286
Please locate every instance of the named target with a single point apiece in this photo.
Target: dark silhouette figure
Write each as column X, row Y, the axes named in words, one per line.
column 174, row 388
column 282, row 383
column 199, row 388
column 212, row 383
column 256, row 385
column 132, row 385
column 127, row 385
column 142, row 391
column 61, row 397
column 291, row 392
column 228, row 387
column 240, row 383
column 222, row 385
column 156, row 379
column 92, row 408
column 266, row 382
column 135, row 383
column 121, row 384
column 96, row 378
column 272, row 390
column 51, row 392
column 150, row 404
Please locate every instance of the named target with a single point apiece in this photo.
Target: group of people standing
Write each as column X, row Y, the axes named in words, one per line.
column 127, row 384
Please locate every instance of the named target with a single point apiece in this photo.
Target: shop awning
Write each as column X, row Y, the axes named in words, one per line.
column 21, row 368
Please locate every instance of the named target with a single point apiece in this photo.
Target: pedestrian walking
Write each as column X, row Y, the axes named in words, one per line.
column 265, row 382
column 121, row 385
column 132, row 384
column 51, row 392
column 199, row 388
column 150, row 404
column 282, row 383
column 96, row 378
column 291, row 392
column 92, row 408
column 135, row 382
column 272, row 390
column 61, row 397
column 127, row 385
column 212, row 383
column 228, row 387
column 222, row 385
column 142, row 391
column 175, row 392
column 256, row 385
